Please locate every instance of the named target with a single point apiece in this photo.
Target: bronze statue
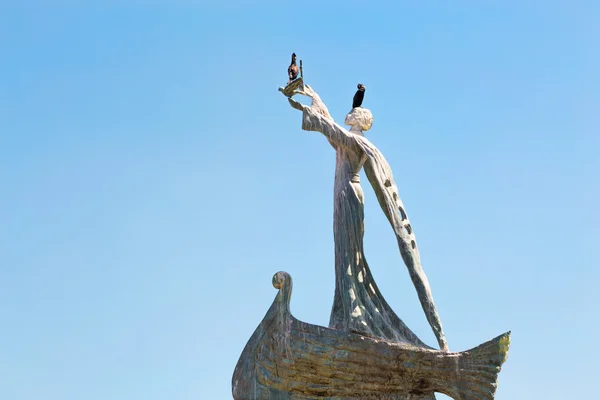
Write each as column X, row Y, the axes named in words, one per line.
column 367, row 352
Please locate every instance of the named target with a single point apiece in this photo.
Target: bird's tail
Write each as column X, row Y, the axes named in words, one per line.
column 478, row 369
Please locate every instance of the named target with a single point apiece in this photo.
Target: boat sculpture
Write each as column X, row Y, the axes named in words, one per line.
column 289, row 359
column 367, row 352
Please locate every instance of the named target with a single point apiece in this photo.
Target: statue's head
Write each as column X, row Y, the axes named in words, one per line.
column 359, row 119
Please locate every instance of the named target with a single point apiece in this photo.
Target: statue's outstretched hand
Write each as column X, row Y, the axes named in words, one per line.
column 305, row 91
column 316, row 105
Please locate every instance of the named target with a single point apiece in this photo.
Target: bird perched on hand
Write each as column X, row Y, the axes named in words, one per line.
column 359, row 96
column 293, row 69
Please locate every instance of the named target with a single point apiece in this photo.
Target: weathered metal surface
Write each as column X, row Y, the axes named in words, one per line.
column 289, row 359
column 367, row 352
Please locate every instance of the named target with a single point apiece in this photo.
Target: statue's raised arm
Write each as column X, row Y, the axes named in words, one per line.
column 316, row 118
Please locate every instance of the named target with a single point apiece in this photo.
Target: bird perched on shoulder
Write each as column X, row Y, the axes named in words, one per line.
column 359, row 96
column 293, row 69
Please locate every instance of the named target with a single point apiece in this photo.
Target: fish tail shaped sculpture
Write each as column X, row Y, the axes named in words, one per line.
column 289, row 359
column 478, row 369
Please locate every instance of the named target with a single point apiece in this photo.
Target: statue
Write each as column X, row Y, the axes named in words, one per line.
column 367, row 352
column 358, row 304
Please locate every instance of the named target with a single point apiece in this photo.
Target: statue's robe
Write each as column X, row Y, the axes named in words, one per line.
column 358, row 304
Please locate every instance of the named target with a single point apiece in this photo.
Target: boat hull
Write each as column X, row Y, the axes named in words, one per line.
column 289, row 359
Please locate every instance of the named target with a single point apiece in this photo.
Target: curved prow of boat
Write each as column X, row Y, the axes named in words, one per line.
column 287, row 359
column 245, row 382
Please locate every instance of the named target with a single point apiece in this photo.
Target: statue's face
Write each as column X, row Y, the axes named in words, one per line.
column 350, row 120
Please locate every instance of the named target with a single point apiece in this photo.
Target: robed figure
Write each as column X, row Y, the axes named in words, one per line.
column 358, row 304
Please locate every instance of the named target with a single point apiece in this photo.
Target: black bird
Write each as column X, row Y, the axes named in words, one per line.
column 293, row 69
column 359, row 96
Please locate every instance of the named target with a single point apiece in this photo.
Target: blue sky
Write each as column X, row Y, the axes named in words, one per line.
column 153, row 180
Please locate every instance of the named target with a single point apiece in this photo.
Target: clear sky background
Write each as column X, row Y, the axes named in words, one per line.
column 152, row 180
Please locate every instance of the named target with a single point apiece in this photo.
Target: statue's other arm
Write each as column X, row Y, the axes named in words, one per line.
column 379, row 174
